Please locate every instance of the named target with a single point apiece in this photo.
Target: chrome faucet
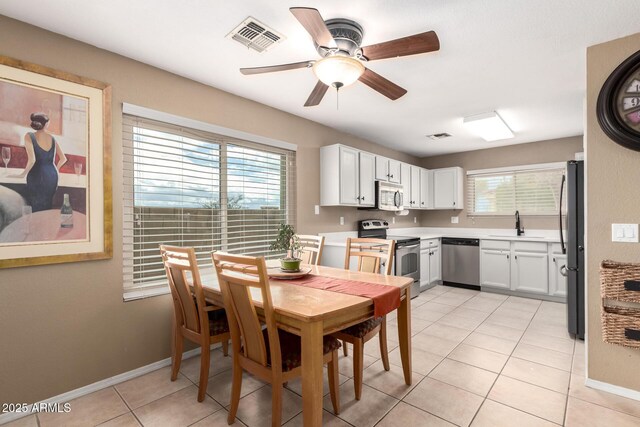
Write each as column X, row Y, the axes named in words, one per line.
column 519, row 230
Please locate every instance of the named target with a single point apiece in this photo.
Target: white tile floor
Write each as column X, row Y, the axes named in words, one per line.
column 479, row 359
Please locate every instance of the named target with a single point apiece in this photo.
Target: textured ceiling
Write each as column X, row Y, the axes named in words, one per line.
column 522, row 58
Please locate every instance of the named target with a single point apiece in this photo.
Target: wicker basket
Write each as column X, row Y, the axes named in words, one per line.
column 621, row 325
column 620, row 281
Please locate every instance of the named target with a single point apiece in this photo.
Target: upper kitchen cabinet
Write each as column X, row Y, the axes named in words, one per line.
column 448, row 188
column 405, row 181
column 347, row 177
column 414, row 203
column 426, row 189
column 387, row 169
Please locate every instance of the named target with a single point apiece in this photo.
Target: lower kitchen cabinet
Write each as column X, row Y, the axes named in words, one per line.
column 522, row 267
column 495, row 268
column 557, row 282
column 430, row 263
column 435, row 265
column 529, row 272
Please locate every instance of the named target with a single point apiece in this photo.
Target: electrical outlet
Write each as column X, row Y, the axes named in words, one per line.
column 454, row 220
column 317, row 210
column 415, row 220
column 393, row 220
column 341, row 220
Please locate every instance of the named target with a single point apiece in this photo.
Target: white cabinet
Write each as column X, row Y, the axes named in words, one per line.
column 525, row 267
column 529, row 272
column 435, row 265
column 424, row 268
column 495, row 268
column 557, row 282
column 366, row 179
column 448, row 188
column 394, row 171
column 405, row 181
column 430, row 263
column 426, row 191
column 387, row 169
column 347, row 177
column 414, row 202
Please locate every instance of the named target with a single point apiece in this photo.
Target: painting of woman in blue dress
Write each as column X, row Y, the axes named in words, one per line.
column 41, row 169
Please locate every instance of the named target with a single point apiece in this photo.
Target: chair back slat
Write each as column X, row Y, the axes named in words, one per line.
column 179, row 263
column 311, row 248
column 237, row 275
column 370, row 254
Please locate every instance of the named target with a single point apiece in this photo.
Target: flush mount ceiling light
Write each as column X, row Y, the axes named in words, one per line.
column 488, row 126
column 338, row 70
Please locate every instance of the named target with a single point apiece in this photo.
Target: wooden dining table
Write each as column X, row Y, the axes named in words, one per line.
column 312, row 313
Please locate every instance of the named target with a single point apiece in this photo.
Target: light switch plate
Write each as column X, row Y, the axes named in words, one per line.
column 454, row 220
column 341, row 220
column 317, row 210
column 624, row 233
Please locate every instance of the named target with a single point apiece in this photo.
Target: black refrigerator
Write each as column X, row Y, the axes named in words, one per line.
column 574, row 246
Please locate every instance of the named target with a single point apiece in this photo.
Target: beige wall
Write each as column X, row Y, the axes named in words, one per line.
column 612, row 197
column 65, row 326
column 555, row 150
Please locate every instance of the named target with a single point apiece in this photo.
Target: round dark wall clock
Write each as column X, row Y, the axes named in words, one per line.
column 618, row 107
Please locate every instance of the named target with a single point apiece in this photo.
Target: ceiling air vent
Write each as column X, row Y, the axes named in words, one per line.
column 255, row 35
column 438, row 136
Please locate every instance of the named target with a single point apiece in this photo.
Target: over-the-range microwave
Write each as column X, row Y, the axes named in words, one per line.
column 389, row 196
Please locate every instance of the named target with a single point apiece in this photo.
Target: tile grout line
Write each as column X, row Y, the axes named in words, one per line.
column 127, row 405
column 446, row 356
column 510, row 356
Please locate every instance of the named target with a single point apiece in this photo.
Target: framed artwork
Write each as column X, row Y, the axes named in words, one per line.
column 55, row 166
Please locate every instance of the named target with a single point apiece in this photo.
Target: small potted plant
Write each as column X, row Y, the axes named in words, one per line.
column 286, row 240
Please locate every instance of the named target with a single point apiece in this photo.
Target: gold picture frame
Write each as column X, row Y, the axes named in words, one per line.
column 56, row 201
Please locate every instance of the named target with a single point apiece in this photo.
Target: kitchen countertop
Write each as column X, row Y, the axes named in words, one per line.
column 425, row 233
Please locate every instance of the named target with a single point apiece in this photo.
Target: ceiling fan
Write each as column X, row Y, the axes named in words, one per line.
column 342, row 63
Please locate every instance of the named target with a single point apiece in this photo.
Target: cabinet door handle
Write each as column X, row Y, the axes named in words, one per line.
column 507, row 256
column 390, row 176
column 362, row 198
column 357, row 198
column 423, row 203
column 554, row 260
column 516, row 257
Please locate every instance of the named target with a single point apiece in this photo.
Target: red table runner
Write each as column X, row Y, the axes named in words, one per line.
column 385, row 298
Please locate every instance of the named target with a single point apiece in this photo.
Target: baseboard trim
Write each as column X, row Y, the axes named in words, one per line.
column 613, row 389
column 102, row 384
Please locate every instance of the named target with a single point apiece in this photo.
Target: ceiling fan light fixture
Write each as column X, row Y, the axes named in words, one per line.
column 338, row 70
column 488, row 126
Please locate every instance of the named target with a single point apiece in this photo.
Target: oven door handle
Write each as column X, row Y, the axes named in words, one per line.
column 408, row 247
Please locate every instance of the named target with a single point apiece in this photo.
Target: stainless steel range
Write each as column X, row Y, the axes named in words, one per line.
column 406, row 252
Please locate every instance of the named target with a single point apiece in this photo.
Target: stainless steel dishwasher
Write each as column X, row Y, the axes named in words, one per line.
column 461, row 261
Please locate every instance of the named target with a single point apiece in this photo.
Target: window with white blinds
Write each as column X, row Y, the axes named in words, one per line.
column 531, row 190
column 187, row 187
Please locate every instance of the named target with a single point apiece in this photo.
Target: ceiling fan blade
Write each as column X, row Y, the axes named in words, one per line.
column 312, row 21
column 316, row 94
column 272, row 68
column 411, row 45
column 378, row 83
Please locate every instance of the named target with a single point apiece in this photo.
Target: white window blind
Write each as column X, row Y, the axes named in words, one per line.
column 186, row 187
column 531, row 190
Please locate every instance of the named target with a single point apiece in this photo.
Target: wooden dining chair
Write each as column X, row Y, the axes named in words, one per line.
column 271, row 354
column 193, row 319
column 311, row 250
column 372, row 256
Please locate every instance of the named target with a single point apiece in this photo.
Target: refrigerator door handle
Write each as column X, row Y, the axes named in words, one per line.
column 564, row 249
